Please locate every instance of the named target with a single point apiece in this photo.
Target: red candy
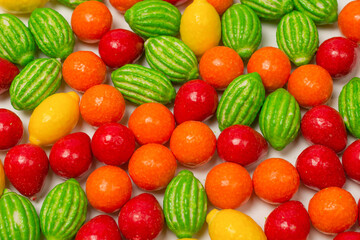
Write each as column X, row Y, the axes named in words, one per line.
column 348, row 236
column 288, row 221
column 119, row 47
column 102, row 227
column 241, row 144
column 196, row 100
column 319, row 167
column 324, row 125
column 11, row 129
column 26, row 166
column 8, row 72
column 351, row 161
column 71, row 156
column 113, row 144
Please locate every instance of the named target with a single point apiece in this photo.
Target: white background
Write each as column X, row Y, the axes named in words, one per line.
column 255, row 208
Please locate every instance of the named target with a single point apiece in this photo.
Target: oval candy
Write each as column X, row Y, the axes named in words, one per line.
column 74, row 3
column 270, row 9
column 320, row 11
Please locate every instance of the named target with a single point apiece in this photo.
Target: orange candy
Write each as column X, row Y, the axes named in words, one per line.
column 273, row 66
column 219, row 66
column 221, row 5
column 108, row 188
column 152, row 123
column 193, row 143
column 82, row 70
column 152, row 167
column 333, row 210
column 228, row 185
column 102, row 104
column 276, row 180
column 349, row 21
column 90, row 21
column 123, row 5
column 311, row 85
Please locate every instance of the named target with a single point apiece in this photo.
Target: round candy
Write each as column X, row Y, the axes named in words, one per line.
column 275, row 180
column 11, row 129
column 221, row 5
column 348, row 236
column 91, row 20
column 152, row 123
column 349, row 21
column 8, row 72
column 123, row 5
column 108, row 188
column 152, row 166
column 99, row 227
column 311, row 85
column 351, row 161
column 193, row 143
column 228, row 185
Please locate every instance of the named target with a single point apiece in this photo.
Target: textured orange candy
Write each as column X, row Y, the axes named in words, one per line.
column 349, row 21
column 123, row 5
column 221, row 5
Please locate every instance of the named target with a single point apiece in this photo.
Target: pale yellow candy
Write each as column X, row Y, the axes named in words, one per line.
column 21, row 6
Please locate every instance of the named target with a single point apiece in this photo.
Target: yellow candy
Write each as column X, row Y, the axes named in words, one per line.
column 2, row 179
column 21, row 6
column 230, row 224
column 200, row 27
column 54, row 118
column 187, row 239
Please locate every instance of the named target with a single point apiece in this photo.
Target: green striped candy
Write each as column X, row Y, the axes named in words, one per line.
column 185, row 205
column 349, row 106
column 74, row 3
column 270, row 9
column 320, row 11
column 241, row 30
column 172, row 57
column 18, row 218
column 241, row 101
column 298, row 37
column 153, row 18
column 280, row 119
column 63, row 211
column 140, row 85
column 38, row 80
column 52, row 33
column 16, row 42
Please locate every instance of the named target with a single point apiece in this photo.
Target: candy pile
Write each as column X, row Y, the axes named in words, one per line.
column 255, row 85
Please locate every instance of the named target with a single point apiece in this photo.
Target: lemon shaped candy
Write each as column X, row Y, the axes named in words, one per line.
column 230, row 224
column 200, row 27
column 21, row 6
column 2, row 179
column 54, row 118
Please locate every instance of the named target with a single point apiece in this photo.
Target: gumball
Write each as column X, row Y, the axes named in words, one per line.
column 99, row 228
column 311, row 85
column 333, row 210
column 26, row 166
column 11, row 129
column 90, row 21
column 275, row 180
column 141, row 218
column 221, row 5
column 337, row 55
column 113, row 144
column 196, row 100
column 8, row 72
column 228, row 185
column 108, row 188
column 319, row 167
column 152, row 166
column 123, row 5
column 349, row 22
column 71, row 156
column 193, row 143
column 348, row 236
column 324, row 125
column 119, row 47
column 241, row 144
column 351, row 161
column 288, row 221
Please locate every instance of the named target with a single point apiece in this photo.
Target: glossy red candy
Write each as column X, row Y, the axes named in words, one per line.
column 8, row 72
column 241, row 144
column 176, row 2
column 141, row 218
column 288, row 221
column 119, row 47
column 324, row 125
column 26, row 166
column 113, row 144
column 351, row 161
column 196, row 100
column 102, row 227
column 348, row 236
column 11, row 129
column 337, row 55
column 71, row 156
column 319, row 167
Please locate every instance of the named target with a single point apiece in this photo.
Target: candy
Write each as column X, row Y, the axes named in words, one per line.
column 8, row 72
column 270, row 10
column 349, row 21
column 11, row 129
column 351, row 161
column 21, row 6
column 320, row 11
column 100, row 227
